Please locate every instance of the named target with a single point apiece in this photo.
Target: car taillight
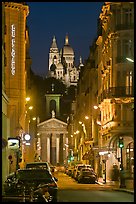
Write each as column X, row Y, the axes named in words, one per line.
column 52, row 184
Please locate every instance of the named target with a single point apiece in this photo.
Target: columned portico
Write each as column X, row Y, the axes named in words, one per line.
column 54, row 141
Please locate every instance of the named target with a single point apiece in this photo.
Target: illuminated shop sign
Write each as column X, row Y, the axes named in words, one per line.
column 13, row 143
column 13, row 49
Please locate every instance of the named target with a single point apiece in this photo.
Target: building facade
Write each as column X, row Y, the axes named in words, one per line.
column 5, row 119
column 52, row 143
column 16, row 67
column 52, row 138
column 116, row 85
column 110, row 90
column 83, row 129
column 62, row 63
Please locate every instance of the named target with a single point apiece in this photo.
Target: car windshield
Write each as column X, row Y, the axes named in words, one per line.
column 34, row 175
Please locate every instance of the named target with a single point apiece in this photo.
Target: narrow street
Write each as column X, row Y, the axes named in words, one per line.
column 71, row 191
column 66, row 182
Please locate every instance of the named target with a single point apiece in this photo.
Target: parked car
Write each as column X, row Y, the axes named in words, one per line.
column 77, row 170
column 87, row 175
column 11, row 185
column 66, row 170
column 53, row 169
column 60, row 168
column 31, row 179
column 37, row 165
column 69, row 171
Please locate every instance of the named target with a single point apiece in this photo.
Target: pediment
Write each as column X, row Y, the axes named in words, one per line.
column 52, row 124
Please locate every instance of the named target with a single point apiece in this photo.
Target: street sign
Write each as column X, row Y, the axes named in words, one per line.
column 13, row 143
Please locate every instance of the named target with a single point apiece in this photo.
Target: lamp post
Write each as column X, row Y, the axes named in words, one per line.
column 122, row 179
column 129, row 59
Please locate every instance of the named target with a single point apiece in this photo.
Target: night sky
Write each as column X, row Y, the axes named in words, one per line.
column 48, row 19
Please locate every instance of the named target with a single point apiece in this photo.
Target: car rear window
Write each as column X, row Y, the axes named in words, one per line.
column 33, row 174
column 80, row 167
column 36, row 166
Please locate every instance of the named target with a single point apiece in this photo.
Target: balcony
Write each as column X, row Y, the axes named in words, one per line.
column 116, row 92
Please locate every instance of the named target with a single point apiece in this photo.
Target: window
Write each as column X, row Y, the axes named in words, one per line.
column 118, row 16
column 126, row 48
column 127, row 16
column 129, row 82
column 130, row 158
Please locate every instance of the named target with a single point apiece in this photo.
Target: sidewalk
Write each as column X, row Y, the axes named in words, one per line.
column 114, row 185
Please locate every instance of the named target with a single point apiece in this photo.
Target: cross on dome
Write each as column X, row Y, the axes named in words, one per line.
column 66, row 40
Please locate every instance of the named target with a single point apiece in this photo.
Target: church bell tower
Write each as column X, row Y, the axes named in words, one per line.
column 52, row 103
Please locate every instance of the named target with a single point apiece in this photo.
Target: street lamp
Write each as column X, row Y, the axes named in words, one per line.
column 30, row 107
column 122, row 180
column 86, row 117
column 27, row 139
column 96, row 107
column 129, row 59
column 27, row 99
column 34, row 118
column 98, row 122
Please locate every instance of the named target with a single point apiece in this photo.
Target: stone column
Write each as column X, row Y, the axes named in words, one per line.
column 61, row 149
column 57, row 149
column 48, row 149
column 43, row 147
column 53, row 149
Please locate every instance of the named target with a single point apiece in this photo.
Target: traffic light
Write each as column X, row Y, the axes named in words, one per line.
column 121, row 142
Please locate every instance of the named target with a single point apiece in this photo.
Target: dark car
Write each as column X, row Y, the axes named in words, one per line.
column 87, row 175
column 37, row 165
column 30, row 179
column 10, row 185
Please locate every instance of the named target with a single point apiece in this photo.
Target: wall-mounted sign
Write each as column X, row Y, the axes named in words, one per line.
column 13, row 49
column 13, row 143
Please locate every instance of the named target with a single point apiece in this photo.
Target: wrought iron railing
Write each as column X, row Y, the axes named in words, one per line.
column 116, row 92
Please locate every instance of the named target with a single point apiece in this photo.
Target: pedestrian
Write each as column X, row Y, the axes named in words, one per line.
column 115, row 173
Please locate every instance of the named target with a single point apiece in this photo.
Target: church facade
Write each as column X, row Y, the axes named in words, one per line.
column 61, row 63
column 52, row 144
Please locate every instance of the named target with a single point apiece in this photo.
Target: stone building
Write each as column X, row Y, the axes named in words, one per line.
column 15, row 72
column 62, row 63
column 83, row 130
column 52, row 139
column 111, row 91
column 5, row 118
column 116, row 85
column 52, row 143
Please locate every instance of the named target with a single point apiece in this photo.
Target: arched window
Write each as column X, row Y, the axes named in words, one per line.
column 52, row 105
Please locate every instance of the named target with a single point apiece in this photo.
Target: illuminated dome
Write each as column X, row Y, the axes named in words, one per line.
column 67, row 49
column 59, row 65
